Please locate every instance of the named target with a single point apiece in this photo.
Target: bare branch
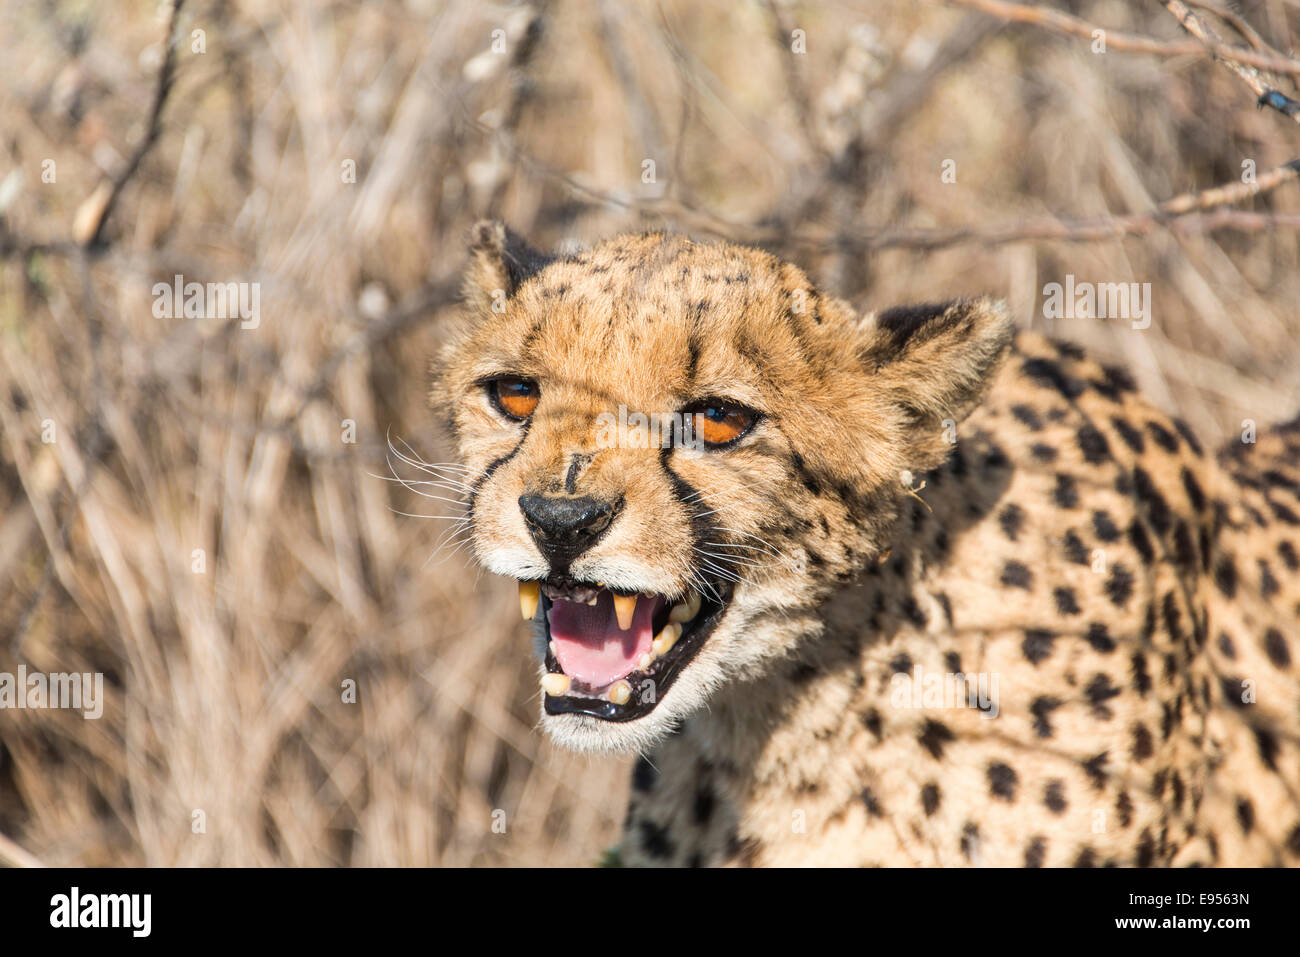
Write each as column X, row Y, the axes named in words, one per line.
column 1239, row 61
column 1071, row 25
column 162, row 89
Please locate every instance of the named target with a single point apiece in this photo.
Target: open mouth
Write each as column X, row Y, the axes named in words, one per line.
column 613, row 655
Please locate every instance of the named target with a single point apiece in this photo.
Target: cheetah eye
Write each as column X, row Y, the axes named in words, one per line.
column 515, row 398
column 719, row 423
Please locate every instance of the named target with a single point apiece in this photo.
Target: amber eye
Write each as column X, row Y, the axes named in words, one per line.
column 515, row 397
column 718, row 422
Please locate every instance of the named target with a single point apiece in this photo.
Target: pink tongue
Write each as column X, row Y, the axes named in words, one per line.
column 591, row 647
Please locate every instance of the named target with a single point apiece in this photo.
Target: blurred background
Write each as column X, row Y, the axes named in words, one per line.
column 227, row 522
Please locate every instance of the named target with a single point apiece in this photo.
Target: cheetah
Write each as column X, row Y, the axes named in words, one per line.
column 900, row 589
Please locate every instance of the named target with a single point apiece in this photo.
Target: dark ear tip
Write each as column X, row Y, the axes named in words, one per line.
column 488, row 235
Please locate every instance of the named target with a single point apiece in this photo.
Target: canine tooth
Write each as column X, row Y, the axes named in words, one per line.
column 620, row 692
column 555, row 685
column 665, row 640
column 529, row 595
column 686, row 610
column 551, row 645
column 594, row 601
column 645, row 661
column 624, row 608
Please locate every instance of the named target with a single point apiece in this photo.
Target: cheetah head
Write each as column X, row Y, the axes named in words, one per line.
column 678, row 450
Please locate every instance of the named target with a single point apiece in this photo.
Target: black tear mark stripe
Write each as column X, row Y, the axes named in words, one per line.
column 690, row 498
column 488, row 472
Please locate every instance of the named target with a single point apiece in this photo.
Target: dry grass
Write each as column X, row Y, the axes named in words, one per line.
column 181, row 434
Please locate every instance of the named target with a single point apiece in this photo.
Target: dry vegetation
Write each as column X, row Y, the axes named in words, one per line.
column 176, row 434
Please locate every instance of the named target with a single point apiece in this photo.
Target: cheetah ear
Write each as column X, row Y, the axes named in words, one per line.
column 501, row 261
column 935, row 362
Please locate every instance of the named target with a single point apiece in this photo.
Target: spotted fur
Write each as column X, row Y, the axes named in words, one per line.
column 925, row 494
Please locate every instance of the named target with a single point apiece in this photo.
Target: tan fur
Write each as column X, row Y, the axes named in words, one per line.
column 1070, row 542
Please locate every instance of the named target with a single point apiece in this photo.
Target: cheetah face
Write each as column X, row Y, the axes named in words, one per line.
column 677, row 450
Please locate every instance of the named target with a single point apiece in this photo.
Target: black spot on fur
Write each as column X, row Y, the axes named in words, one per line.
column 930, row 798
column 1288, row 553
column 1284, row 513
column 1104, row 526
column 946, row 605
column 1184, row 548
column 644, row 775
column 901, row 664
column 1140, row 541
column 1141, row 677
column 914, row 612
column 1037, row 644
column 1095, row 767
column 1156, row 506
column 1075, row 550
column 1245, row 814
column 1143, row 746
column 1100, row 639
column 1035, row 852
column 1276, row 648
column 934, row 736
column 1098, row 692
column 1002, row 781
column 1119, row 378
column 873, row 806
column 1065, row 601
column 1164, row 438
column 1188, row 436
column 1049, row 375
column 1293, row 841
column 1173, row 617
column 704, row 802
column 1226, row 647
column 1041, row 708
column 1193, row 489
column 1011, row 518
column 1093, row 445
column 1120, row 585
column 1027, row 416
column 1225, row 576
column 970, row 837
column 1043, row 453
column 1054, row 796
column 1146, row 850
column 655, row 840
column 1131, row 436
column 1066, row 493
column 1087, row 858
column 1124, row 807
column 871, row 720
column 1268, row 747
column 1016, row 575
column 1268, row 585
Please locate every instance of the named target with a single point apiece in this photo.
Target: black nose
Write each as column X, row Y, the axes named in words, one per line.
column 565, row 527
